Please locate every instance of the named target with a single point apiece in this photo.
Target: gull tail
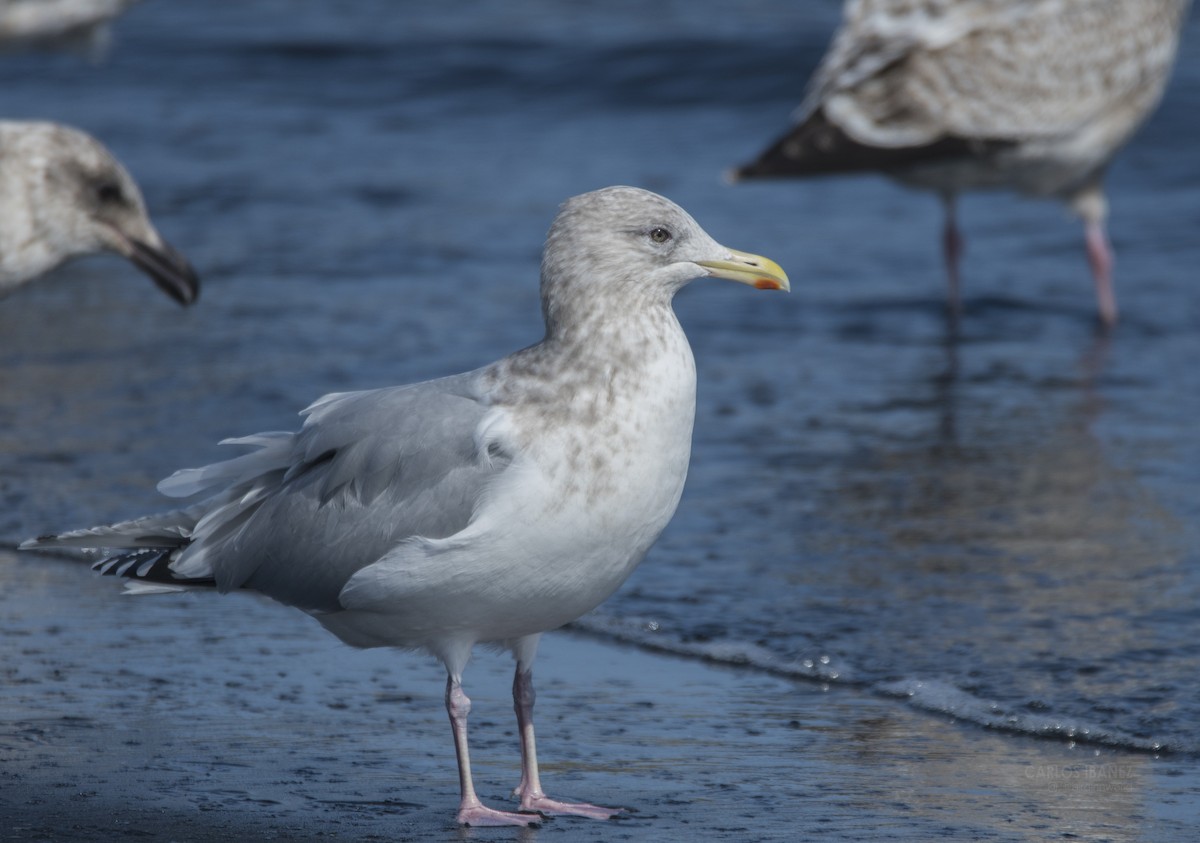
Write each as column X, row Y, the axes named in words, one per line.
column 142, row 550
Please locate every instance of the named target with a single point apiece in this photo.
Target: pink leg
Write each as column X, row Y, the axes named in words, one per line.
column 952, row 249
column 530, row 789
column 470, row 810
column 1100, row 257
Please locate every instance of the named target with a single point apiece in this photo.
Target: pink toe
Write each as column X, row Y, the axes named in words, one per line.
column 546, row 805
column 483, row 816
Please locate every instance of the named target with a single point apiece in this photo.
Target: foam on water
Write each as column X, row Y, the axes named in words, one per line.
column 931, row 695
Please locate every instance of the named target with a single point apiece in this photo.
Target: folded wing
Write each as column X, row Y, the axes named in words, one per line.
column 299, row 515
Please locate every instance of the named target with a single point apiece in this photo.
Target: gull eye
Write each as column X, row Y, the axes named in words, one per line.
column 110, row 192
column 660, row 235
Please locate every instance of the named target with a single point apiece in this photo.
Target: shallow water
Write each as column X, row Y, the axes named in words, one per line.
column 1001, row 525
column 279, row 732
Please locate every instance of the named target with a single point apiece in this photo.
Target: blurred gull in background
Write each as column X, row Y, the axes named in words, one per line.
column 74, row 25
column 950, row 95
column 486, row 507
column 63, row 195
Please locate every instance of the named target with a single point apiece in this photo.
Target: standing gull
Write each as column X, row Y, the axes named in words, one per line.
column 951, row 95
column 486, row 507
column 62, row 196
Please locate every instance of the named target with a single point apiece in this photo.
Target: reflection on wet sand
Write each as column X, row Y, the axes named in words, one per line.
column 1041, row 559
column 943, row 774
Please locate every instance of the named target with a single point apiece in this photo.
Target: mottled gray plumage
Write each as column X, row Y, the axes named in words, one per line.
column 485, row 507
column 63, row 196
column 951, row 95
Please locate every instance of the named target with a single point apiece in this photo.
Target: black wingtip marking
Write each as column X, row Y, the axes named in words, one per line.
column 819, row 147
column 148, row 564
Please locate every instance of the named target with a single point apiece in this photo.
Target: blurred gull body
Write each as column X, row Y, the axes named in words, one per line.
column 62, row 196
column 59, row 24
column 486, row 507
column 951, row 95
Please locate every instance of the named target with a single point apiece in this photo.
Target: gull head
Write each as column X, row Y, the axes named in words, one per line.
column 88, row 203
column 631, row 245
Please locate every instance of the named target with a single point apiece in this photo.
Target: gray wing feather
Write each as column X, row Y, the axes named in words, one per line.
column 297, row 517
column 169, row 529
column 273, row 447
column 366, row 471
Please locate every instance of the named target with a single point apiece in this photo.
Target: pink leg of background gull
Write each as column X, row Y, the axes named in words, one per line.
column 1100, row 257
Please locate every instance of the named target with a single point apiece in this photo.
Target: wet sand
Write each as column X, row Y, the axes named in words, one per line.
column 197, row 717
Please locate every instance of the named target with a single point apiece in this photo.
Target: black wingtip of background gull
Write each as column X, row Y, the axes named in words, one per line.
column 819, row 147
